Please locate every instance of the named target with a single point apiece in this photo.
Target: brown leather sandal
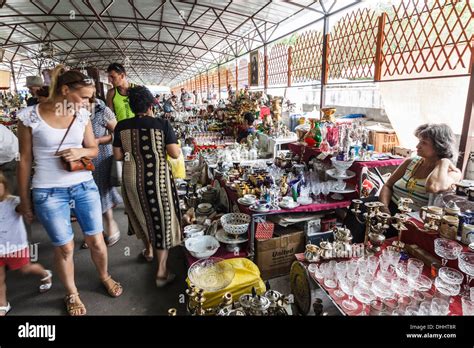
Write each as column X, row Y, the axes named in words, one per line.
column 113, row 288
column 73, row 306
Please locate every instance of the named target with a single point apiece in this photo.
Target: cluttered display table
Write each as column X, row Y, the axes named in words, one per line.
column 422, row 272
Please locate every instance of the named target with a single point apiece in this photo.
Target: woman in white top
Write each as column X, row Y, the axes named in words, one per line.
column 56, row 191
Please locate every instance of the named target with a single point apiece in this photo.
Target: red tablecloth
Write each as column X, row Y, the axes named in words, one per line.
column 455, row 307
column 356, row 167
column 332, row 204
column 309, row 152
column 425, row 240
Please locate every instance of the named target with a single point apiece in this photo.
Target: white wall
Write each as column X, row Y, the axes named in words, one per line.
column 411, row 103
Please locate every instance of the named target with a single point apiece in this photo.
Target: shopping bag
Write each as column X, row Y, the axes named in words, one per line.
column 177, row 167
column 263, row 229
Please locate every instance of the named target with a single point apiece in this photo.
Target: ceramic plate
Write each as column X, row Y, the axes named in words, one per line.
column 223, row 237
column 286, row 206
column 243, row 201
column 348, row 189
column 260, row 209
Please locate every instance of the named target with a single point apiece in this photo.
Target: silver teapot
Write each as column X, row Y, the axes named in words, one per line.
column 312, row 253
column 259, row 305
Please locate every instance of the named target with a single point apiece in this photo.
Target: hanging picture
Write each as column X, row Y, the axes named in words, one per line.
column 254, row 68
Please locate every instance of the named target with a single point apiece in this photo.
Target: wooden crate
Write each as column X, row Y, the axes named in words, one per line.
column 383, row 141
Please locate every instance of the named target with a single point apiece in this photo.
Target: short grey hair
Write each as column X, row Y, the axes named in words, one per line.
column 442, row 137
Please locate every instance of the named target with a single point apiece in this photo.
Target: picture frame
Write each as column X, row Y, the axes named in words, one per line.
column 253, row 73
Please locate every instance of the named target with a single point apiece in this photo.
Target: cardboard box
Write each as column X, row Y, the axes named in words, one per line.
column 274, row 256
column 402, row 151
column 383, row 141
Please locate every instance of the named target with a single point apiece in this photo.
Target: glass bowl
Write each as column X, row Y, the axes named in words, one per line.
column 211, row 274
column 447, row 249
column 341, row 166
column 446, row 288
column 450, row 275
column 466, row 263
column 421, row 283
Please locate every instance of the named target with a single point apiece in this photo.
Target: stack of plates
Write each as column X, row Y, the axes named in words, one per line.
column 205, row 209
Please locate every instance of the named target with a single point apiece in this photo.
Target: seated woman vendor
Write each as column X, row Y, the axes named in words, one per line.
column 431, row 171
column 248, row 127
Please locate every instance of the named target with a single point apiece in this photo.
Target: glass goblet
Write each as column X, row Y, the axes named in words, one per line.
column 365, row 296
column 466, row 265
column 347, row 285
column 447, row 249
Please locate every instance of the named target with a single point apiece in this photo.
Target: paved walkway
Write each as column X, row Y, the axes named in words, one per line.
column 140, row 297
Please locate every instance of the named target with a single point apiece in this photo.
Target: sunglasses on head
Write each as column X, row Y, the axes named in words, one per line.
column 87, row 80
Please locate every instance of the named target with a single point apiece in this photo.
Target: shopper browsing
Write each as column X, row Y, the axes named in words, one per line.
column 43, row 135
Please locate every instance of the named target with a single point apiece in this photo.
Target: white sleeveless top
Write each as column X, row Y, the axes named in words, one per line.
column 49, row 172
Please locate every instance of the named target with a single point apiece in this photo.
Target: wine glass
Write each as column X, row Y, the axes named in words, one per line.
column 365, row 296
column 439, row 307
column 381, row 288
column 325, row 189
column 466, row 264
column 347, row 285
column 316, row 189
column 330, row 275
column 341, row 270
column 447, row 249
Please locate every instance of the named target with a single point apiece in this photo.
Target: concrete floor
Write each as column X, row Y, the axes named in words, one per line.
column 140, row 297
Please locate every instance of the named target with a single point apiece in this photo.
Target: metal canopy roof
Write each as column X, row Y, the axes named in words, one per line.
column 159, row 41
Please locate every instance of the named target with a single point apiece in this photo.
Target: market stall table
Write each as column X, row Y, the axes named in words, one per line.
column 310, row 152
column 455, row 307
column 311, row 208
column 273, row 145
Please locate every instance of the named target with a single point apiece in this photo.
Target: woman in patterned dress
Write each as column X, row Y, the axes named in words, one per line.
column 150, row 196
column 103, row 124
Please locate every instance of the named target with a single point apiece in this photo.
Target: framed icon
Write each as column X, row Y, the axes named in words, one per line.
column 254, row 68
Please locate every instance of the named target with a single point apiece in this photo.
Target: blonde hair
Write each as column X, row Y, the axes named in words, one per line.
column 74, row 79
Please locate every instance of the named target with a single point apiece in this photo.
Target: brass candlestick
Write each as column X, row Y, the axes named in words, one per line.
column 399, row 225
column 376, row 223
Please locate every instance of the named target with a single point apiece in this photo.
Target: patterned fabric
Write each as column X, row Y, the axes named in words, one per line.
column 109, row 196
column 409, row 187
column 149, row 192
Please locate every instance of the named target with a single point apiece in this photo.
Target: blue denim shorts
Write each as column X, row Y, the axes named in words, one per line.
column 53, row 209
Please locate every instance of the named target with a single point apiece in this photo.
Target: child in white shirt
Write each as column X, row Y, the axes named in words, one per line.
column 14, row 249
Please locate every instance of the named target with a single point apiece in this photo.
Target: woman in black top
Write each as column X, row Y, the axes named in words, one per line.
column 149, row 193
